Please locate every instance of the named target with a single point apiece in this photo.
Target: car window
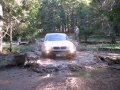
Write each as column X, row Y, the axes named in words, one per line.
column 56, row 37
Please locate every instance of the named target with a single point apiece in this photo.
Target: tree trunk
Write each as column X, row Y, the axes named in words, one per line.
column 67, row 24
column 1, row 24
column 11, row 39
column 86, row 39
column 113, row 39
column 0, row 39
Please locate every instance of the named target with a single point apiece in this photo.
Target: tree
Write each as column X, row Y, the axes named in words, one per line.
column 1, row 24
column 109, row 16
column 15, row 14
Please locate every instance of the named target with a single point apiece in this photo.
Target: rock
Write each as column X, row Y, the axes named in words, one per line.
column 96, row 66
column 89, row 68
column 6, row 59
column 115, row 66
column 12, row 59
column 49, row 69
column 19, row 59
column 44, row 69
column 31, row 56
column 110, row 58
column 74, row 67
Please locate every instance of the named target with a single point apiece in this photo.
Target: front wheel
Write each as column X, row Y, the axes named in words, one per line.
column 44, row 55
column 48, row 56
column 71, row 56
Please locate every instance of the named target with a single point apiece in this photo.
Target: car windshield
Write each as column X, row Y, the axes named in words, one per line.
column 56, row 37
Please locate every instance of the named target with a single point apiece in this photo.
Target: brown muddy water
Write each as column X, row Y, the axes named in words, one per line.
column 87, row 74
column 25, row 79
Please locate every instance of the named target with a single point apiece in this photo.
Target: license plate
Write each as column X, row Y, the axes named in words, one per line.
column 58, row 55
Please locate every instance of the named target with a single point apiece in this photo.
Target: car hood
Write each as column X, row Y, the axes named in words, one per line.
column 58, row 43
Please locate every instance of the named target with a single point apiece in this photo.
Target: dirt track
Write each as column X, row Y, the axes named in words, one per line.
column 94, row 76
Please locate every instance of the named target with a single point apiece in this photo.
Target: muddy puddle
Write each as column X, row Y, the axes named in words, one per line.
column 84, row 80
column 82, row 73
column 25, row 79
column 83, row 61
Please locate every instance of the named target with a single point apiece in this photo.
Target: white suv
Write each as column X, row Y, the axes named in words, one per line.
column 58, row 44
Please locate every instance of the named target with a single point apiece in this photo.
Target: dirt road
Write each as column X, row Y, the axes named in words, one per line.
column 94, row 75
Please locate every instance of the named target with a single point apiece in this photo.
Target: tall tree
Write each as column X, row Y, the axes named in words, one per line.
column 17, row 13
column 108, row 15
column 1, row 24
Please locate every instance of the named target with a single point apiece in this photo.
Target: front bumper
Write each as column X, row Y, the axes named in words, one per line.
column 59, row 53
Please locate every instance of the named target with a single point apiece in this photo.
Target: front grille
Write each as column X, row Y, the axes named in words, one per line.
column 56, row 47
column 60, row 48
column 63, row 47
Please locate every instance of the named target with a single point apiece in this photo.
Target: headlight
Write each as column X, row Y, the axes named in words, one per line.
column 72, row 48
column 47, row 48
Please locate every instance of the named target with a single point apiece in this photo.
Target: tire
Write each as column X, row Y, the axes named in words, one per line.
column 48, row 56
column 71, row 56
column 44, row 55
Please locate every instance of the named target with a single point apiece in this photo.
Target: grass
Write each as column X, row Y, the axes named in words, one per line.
column 18, row 48
column 100, row 42
column 95, row 44
column 22, row 48
column 115, row 46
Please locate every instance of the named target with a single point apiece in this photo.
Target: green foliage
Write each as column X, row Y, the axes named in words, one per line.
column 19, row 48
column 23, row 16
column 21, row 30
column 31, row 33
column 86, row 33
column 39, row 16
